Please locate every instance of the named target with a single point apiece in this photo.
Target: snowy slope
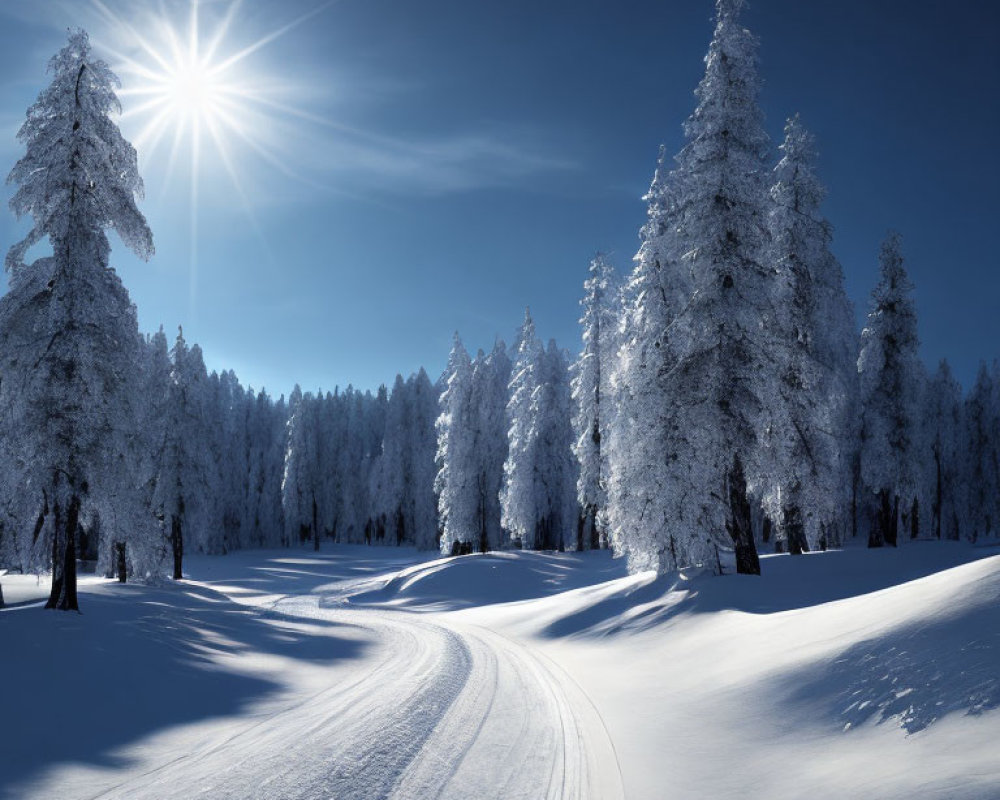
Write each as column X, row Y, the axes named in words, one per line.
column 367, row 672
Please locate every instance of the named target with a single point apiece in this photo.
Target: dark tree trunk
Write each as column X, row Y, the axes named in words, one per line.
column 765, row 531
column 892, row 532
column 738, row 524
column 177, row 541
column 855, row 490
column 400, row 526
column 1, row 596
column 122, row 566
column 484, row 540
column 877, row 534
column 938, row 492
column 63, row 595
column 915, row 518
column 315, row 524
column 795, row 530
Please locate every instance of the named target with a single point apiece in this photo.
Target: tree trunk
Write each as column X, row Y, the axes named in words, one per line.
column 738, row 522
column 855, row 489
column 880, row 530
column 122, row 567
column 915, row 518
column 1, row 596
column 795, row 529
column 63, row 595
column 938, row 492
column 177, row 541
column 484, row 540
column 315, row 524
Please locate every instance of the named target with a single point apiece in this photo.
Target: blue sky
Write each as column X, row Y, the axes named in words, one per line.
column 407, row 169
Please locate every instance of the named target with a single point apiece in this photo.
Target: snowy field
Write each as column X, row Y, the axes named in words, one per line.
column 369, row 673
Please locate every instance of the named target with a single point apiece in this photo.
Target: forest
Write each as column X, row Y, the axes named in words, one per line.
column 723, row 402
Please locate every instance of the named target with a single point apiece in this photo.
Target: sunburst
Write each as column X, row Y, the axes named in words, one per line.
column 189, row 92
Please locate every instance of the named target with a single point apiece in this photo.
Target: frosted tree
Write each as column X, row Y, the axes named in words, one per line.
column 456, row 485
column 391, row 471
column 538, row 496
column 556, row 471
column 943, row 429
column 810, row 439
column 518, row 497
column 982, row 456
column 301, row 488
column 715, row 360
column 889, row 371
column 592, row 399
column 490, row 376
column 187, row 484
column 423, row 469
column 634, row 442
column 69, row 333
column 267, row 454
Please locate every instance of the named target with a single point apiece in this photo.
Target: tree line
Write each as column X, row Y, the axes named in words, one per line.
column 722, row 401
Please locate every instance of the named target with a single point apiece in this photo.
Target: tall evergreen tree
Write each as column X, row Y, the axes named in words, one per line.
column 943, row 428
column 639, row 512
column 982, row 456
column 69, row 331
column 458, row 496
column 592, row 400
column 719, row 363
column 518, row 495
column 889, row 371
column 811, row 441
column 490, row 377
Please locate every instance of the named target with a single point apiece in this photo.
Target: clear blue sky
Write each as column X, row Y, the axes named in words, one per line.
column 408, row 169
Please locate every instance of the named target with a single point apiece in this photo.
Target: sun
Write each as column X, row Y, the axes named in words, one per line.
column 196, row 91
column 192, row 90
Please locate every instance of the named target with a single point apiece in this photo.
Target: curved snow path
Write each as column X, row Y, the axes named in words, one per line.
column 448, row 711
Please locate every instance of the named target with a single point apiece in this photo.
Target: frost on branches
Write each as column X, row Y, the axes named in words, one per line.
column 593, row 405
column 889, row 370
column 810, row 438
column 70, row 342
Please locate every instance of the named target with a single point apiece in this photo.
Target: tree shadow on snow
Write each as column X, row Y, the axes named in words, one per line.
column 139, row 660
column 912, row 676
column 786, row 583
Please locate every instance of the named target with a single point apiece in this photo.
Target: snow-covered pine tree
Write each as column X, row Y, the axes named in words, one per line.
column 490, row 377
column 519, row 492
column 302, row 485
column 889, row 371
column 943, row 428
column 635, row 443
column 810, row 440
column 556, row 468
column 70, row 340
column 456, row 485
column 422, row 446
column 721, row 361
column 982, row 456
column 592, row 400
column 391, row 470
column 538, row 496
column 267, row 449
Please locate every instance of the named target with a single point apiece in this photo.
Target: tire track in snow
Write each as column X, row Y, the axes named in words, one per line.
column 448, row 711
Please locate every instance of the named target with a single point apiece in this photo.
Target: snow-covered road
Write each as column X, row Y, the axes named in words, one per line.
column 442, row 710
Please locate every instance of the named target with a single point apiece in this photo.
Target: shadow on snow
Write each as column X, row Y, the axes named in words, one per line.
column 139, row 660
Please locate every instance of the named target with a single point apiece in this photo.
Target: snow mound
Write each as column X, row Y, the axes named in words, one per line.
column 491, row 578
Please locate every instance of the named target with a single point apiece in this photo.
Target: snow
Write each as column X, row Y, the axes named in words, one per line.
column 362, row 672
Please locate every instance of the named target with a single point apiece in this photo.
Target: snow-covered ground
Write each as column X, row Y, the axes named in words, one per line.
column 369, row 672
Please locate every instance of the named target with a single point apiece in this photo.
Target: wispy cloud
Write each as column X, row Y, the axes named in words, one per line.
column 450, row 162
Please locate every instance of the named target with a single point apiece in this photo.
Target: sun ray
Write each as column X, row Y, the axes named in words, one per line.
column 271, row 37
column 197, row 91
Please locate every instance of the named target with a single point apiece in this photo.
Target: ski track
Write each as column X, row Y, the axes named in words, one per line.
column 448, row 711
